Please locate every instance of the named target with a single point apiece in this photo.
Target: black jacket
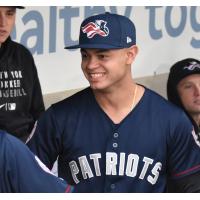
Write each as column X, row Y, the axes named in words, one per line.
column 21, row 100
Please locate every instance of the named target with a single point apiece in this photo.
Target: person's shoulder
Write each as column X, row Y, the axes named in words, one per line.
column 154, row 96
column 70, row 106
column 9, row 139
column 160, row 102
column 75, row 99
column 9, row 144
column 3, row 136
column 20, row 48
column 164, row 111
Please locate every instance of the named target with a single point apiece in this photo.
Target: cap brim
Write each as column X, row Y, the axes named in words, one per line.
column 94, row 46
column 19, row 7
column 191, row 73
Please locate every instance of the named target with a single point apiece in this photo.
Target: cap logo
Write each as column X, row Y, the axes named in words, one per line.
column 192, row 66
column 128, row 40
column 98, row 27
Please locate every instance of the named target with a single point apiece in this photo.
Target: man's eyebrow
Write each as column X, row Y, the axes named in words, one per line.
column 11, row 9
column 102, row 50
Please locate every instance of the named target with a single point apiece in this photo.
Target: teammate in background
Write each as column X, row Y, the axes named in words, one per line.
column 116, row 135
column 21, row 171
column 183, row 89
column 21, row 100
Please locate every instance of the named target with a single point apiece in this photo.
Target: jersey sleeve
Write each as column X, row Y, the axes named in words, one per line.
column 187, row 184
column 184, row 148
column 45, row 141
column 24, row 172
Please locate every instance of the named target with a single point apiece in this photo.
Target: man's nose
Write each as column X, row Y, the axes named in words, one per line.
column 197, row 90
column 92, row 63
column 2, row 20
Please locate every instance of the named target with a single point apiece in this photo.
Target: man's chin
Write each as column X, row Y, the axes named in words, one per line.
column 195, row 111
column 2, row 40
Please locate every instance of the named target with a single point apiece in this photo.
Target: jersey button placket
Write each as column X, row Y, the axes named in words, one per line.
column 112, row 186
column 115, row 135
column 115, row 138
column 115, row 145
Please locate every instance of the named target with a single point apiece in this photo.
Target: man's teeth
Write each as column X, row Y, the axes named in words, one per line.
column 96, row 75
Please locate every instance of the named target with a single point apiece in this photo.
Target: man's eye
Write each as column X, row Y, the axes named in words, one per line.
column 84, row 56
column 187, row 86
column 102, row 56
column 10, row 13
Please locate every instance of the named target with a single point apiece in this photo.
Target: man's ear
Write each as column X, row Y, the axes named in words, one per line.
column 131, row 54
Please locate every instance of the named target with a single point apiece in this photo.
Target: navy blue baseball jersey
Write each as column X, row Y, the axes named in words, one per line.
column 152, row 143
column 21, row 171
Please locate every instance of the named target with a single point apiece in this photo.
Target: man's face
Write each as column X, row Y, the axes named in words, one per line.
column 189, row 92
column 106, row 69
column 7, row 21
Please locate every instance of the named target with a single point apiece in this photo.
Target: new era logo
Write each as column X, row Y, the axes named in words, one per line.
column 128, row 40
column 8, row 106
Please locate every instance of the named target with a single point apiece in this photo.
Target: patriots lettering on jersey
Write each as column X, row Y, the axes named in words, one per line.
column 125, row 165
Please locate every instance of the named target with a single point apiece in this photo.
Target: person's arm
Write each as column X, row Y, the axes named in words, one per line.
column 24, row 172
column 188, row 184
column 37, row 104
column 184, row 157
column 46, row 138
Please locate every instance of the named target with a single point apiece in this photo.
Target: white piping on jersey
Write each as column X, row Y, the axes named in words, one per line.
column 32, row 133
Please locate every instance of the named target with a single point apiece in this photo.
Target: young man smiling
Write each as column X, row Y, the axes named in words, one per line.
column 116, row 135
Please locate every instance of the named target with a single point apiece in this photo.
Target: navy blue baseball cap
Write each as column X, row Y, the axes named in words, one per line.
column 106, row 31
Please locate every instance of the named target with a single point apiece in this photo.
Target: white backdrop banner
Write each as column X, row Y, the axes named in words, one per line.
column 165, row 34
